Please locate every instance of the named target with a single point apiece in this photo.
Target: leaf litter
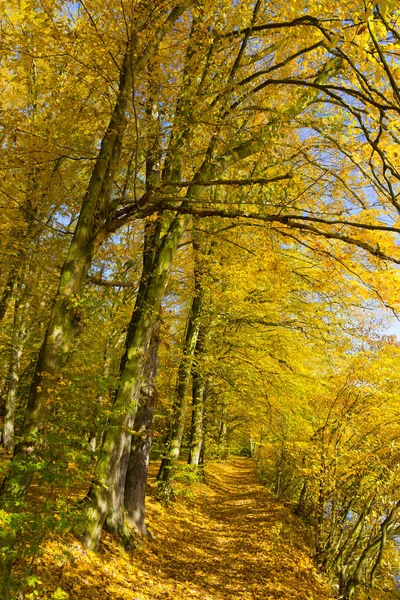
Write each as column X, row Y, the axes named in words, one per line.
column 226, row 538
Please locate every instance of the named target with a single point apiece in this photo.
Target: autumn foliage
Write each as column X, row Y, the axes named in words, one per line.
column 199, row 257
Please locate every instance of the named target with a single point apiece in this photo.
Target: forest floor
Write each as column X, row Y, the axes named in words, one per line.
column 227, row 538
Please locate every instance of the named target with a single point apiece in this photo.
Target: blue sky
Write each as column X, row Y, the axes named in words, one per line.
column 394, row 328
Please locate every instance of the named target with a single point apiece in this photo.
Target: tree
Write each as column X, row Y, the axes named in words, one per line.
column 177, row 418
column 91, row 228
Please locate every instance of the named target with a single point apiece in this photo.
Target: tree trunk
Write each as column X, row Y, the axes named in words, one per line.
column 144, row 318
column 174, row 439
column 198, row 394
column 115, row 520
column 19, row 336
column 202, row 453
column 223, row 434
column 136, row 476
column 130, row 482
column 196, row 433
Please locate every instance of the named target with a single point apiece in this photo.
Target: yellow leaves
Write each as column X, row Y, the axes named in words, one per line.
column 233, row 539
column 334, row 41
column 378, row 29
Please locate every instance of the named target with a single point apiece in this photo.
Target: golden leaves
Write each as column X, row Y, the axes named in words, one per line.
column 233, row 539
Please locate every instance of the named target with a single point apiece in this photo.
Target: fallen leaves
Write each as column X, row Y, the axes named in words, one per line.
column 231, row 540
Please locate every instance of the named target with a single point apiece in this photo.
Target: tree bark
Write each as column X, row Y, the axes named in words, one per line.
column 198, row 395
column 174, row 439
column 18, row 339
column 115, row 520
column 128, row 491
column 196, row 433
column 136, row 476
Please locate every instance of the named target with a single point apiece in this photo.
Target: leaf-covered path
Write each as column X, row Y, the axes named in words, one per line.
column 232, row 539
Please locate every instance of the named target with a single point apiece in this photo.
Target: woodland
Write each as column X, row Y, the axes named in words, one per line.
column 199, row 263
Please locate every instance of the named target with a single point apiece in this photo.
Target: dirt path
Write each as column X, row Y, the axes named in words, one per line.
column 233, row 540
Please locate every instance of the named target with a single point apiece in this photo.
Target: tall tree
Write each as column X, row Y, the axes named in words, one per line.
column 174, row 437
column 91, row 228
column 88, row 235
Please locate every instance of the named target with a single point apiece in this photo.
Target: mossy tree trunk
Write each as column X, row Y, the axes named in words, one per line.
column 115, row 519
column 128, row 490
column 144, row 318
column 136, row 476
column 174, row 439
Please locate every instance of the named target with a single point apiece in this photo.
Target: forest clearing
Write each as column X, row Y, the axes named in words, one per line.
column 199, row 271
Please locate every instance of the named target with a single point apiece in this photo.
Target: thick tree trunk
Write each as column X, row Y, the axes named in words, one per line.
column 115, row 520
column 144, row 318
column 133, row 448
column 202, row 452
column 136, row 476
